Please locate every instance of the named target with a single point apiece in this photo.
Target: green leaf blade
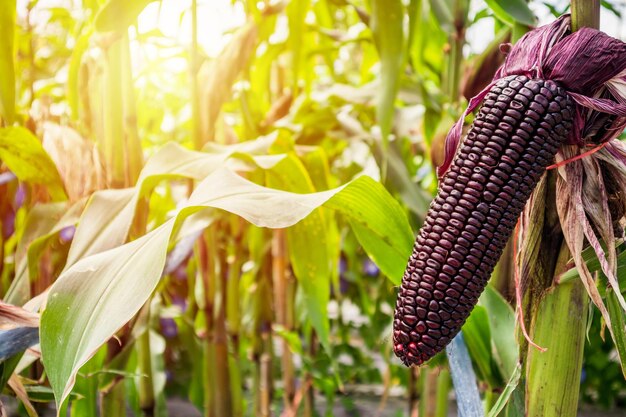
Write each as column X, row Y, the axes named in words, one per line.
column 7, row 61
column 23, row 153
column 379, row 223
column 118, row 15
column 512, row 11
column 102, row 292
column 387, row 24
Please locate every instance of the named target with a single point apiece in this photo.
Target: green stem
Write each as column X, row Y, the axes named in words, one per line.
column 455, row 56
column 429, row 396
column 206, row 247
column 416, row 377
column 544, row 238
column 263, row 342
column 196, row 122
column 31, row 54
column 133, row 151
column 443, row 391
column 559, row 325
column 146, row 385
column 223, row 397
column 309, row 397
column 113, row 399
column 585, row 13
column 282, row 308
column 113, row 117
column 233, row 319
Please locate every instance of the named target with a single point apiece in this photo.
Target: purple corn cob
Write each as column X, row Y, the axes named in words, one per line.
column 515, row 136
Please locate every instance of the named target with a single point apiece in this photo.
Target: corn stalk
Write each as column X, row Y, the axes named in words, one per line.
column 558, row 313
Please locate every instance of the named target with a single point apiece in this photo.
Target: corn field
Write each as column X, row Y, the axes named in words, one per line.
column 312, row 208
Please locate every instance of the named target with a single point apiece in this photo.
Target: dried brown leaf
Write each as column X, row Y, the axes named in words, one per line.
column 12, row 316
column 573, row 221
column 77, row 160
column 280, row 108
column 218, row 77
column 20, row 392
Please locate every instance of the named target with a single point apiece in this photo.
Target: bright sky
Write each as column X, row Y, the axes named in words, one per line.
column 215, row 17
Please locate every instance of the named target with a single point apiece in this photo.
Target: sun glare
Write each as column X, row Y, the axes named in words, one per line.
column 173, row 19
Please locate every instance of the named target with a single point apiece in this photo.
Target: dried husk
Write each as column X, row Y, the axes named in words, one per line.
column 12, row 317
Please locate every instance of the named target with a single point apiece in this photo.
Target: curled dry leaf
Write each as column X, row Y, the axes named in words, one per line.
column 18, row 388
column 280, row 108
column 76, row 158
column 12, row 316
column 217, row 78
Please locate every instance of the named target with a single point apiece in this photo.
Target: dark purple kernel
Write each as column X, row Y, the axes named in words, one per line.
column 432, row 324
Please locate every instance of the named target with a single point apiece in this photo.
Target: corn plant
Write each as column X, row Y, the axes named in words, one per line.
column 232, row 228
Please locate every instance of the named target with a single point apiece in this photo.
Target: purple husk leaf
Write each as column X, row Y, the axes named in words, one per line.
column 552, row 52
column 453, row 139
column 585, row 60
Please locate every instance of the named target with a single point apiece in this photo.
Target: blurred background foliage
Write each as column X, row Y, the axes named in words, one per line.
column 301, row 95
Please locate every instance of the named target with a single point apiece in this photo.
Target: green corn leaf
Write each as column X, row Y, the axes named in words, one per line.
column 107, row 219
column 477, row 334
column 43, row 224
column 387, row 24
column 7, row 54
column 399, row 180
column 502, row 324
column 74, row 72
column 618, row 322
column 312, row 264
column 22, row 152
column 87, row 387
column 104, row 291
column 512, row 11
column 379, row 224
column 296, row 14
column 118, row 15
column 508, row 391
